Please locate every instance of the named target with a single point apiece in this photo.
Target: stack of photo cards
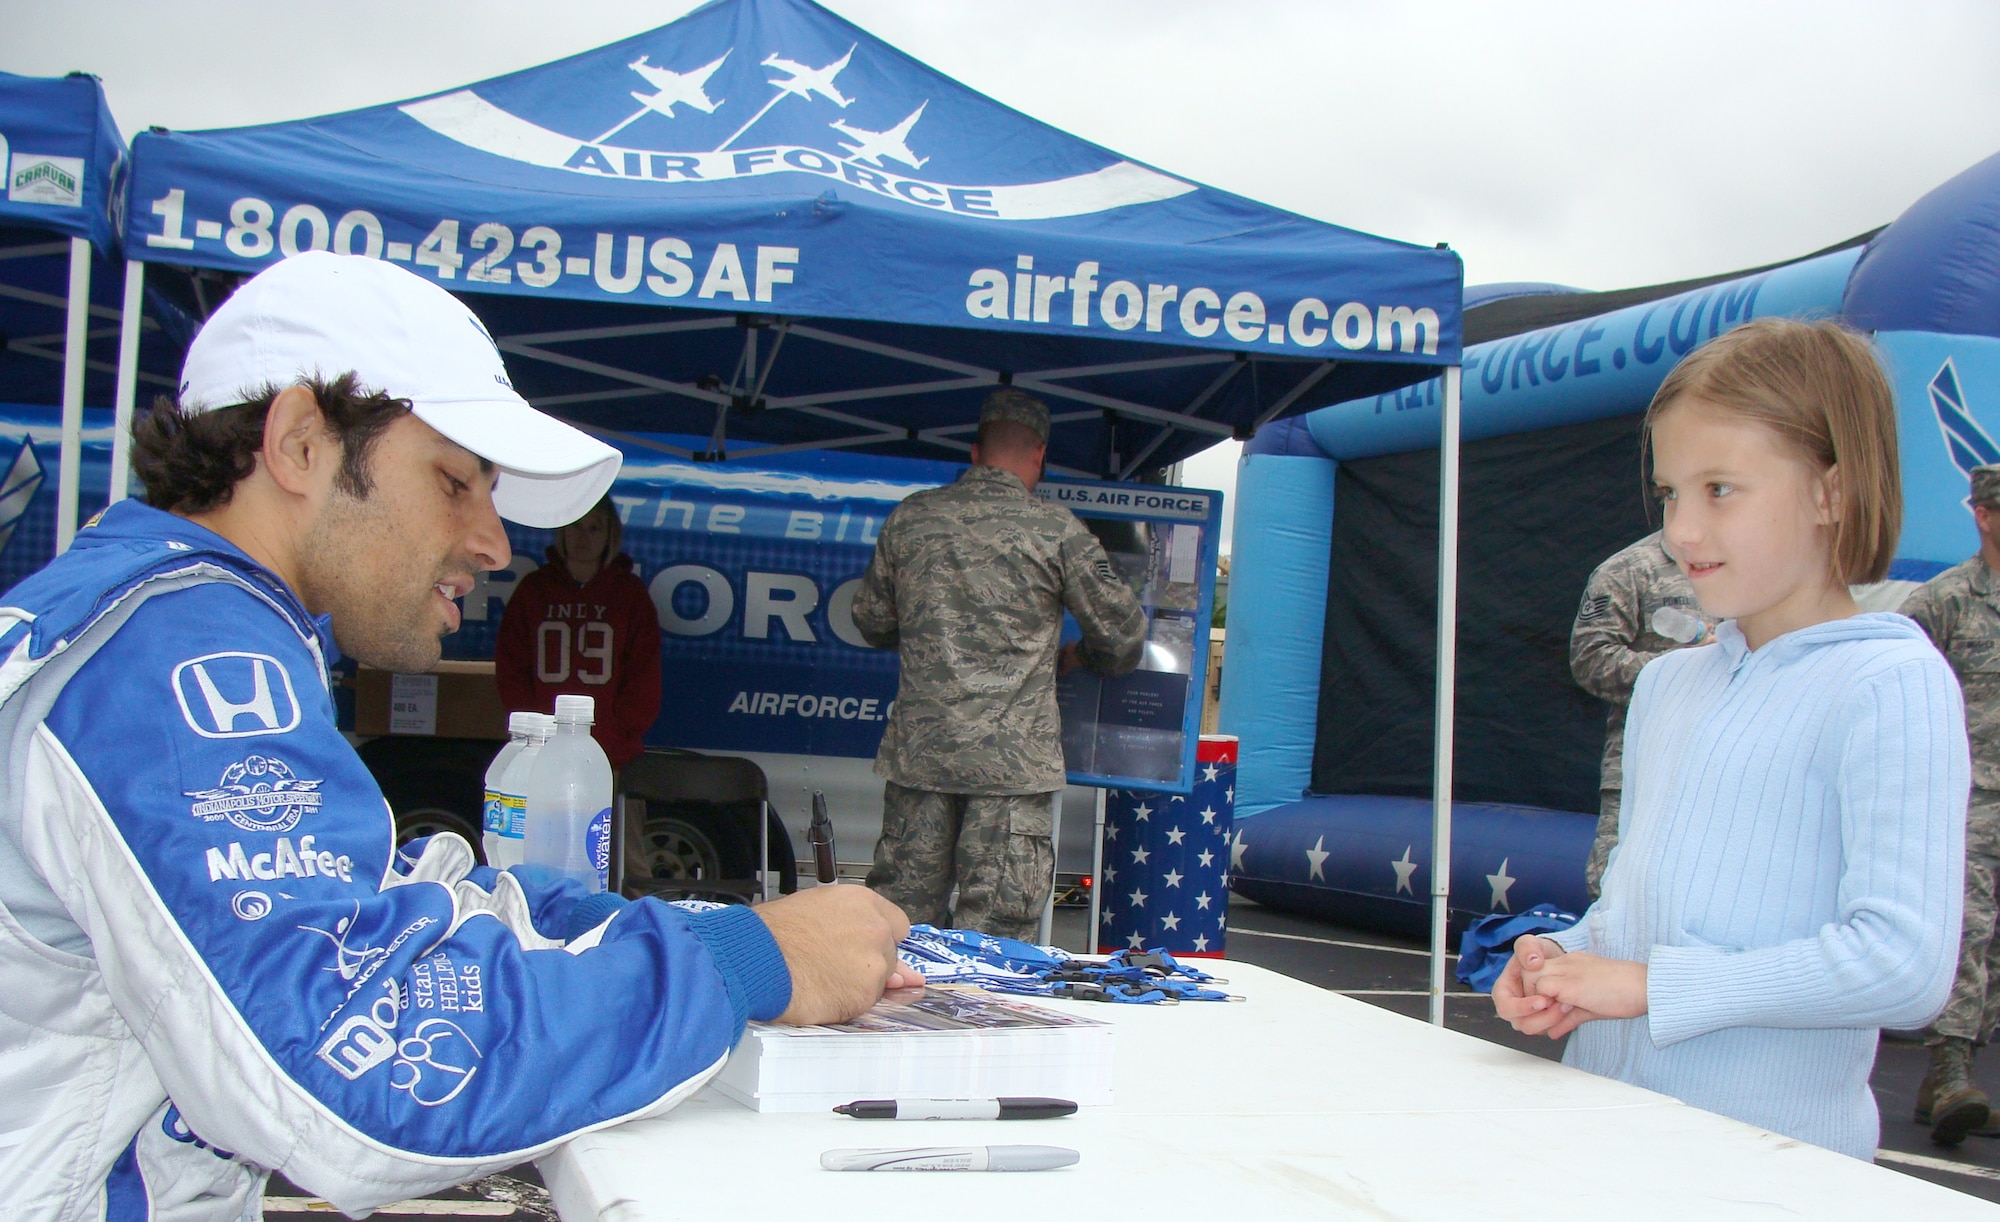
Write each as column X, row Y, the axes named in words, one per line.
column 947, row 1042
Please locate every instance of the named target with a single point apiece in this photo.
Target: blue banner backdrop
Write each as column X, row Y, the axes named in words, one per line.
column 752, row 572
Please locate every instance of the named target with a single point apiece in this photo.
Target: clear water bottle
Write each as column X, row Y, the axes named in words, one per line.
column 569, row 799
column 514, row 791
column 1678, row 624
column 506, row 788
column 491, row 809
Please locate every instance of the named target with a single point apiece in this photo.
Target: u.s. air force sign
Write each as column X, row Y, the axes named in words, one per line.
column 731, row 160
column 872, row 153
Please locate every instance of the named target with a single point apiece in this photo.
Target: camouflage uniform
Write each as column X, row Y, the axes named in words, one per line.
column 969, row 583
column 1610, row 644
column 998, row 848
column 1960, row 609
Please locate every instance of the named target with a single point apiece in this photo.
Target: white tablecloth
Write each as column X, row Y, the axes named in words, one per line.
column 1297, row 1103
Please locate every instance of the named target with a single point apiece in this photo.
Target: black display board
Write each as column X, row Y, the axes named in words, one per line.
column 1538, row 512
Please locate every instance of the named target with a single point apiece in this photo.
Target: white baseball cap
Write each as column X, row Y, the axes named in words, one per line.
column 322, row 315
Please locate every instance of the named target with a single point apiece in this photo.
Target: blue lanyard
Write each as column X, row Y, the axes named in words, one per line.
column 1008, row 965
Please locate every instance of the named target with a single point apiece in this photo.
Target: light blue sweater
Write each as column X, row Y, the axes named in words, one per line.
column 1791, row 869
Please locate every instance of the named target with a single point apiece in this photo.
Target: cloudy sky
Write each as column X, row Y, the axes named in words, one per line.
column 1589, row 144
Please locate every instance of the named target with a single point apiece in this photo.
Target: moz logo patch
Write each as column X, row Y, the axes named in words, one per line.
column 236, row 695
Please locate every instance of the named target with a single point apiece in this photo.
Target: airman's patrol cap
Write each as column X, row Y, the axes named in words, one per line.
column 1986, row 485
column 1020, row 407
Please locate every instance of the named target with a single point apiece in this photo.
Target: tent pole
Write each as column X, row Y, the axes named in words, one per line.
column 128, row 378
column 1090, row 937
column 1447, row 654
column 1047, row 927
column 70, row 469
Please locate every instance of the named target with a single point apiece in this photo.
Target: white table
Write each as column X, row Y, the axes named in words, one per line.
column 1297, row 1103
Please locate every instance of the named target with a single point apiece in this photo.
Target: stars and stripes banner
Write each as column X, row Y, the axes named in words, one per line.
column 1165, row 879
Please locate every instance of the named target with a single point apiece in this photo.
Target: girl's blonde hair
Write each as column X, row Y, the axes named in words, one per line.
column 1820, row 388
column 614, row 532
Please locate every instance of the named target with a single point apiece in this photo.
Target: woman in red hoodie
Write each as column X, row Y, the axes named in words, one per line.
column 583, row 624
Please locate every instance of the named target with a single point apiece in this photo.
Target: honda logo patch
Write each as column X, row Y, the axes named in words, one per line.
column 236, row 695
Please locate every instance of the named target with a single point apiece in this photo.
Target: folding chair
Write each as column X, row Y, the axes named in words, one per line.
column 697, row 826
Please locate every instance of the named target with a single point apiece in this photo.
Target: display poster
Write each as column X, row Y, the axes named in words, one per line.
column 1138, row 731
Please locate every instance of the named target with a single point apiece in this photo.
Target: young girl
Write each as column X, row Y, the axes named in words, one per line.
column 1789, row 874
column 583, row 624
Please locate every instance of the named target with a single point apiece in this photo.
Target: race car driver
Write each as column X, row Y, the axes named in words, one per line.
column 213, row 962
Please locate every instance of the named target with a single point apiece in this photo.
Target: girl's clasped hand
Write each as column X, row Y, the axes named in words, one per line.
column 1547, row 991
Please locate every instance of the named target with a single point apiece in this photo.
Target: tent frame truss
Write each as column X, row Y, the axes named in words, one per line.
column 745, row 389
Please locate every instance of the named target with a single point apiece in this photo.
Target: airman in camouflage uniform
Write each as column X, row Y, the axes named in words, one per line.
column 1609, row 645
column 1960, row 609
column 969, row 582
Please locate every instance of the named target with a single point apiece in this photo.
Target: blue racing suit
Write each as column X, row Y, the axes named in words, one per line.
column 214, row 963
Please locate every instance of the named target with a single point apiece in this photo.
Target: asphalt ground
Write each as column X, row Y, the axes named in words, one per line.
column 1383, row 970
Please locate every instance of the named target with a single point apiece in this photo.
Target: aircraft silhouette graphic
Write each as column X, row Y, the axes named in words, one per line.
column 807, row 81
column 888, row 144
column 801, row 82
column 1966, row 442
column 671, row 89
column 686, row 88
column 690, row 88
column 17, row 490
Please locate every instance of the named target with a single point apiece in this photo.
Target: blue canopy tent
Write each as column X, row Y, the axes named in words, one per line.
column 62, row 156
column 857, row 248
column 762, row 226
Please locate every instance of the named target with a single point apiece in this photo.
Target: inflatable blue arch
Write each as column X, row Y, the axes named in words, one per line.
column 1328, row 672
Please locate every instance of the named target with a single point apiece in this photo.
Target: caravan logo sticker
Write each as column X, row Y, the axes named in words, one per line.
column 35, row 179
column 878, row 148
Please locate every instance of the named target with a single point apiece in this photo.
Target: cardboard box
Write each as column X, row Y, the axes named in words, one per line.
column 451, row 700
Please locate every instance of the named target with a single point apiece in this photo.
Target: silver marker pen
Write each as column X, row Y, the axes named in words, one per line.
column 951, row 1158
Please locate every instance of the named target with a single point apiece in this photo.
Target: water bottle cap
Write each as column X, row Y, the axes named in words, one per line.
column 522, row 723
column 576, row 710
column 541, row 727
column 1677, row 625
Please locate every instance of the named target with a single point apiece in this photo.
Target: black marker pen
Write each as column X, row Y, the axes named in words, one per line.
column 957, row 1109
